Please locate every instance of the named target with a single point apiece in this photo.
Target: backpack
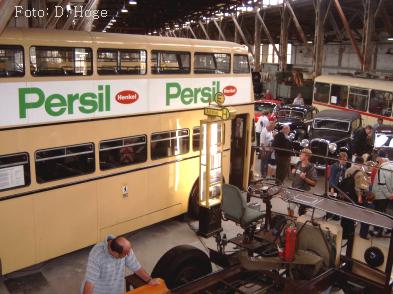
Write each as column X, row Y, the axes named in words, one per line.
column 347, row 185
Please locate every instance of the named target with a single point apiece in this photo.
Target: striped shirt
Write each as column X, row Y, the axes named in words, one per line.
column 106, row 272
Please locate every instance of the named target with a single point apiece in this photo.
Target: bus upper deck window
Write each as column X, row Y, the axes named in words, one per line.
column 321, row 92
column 205, row 63
column 121, row 61
column 240, row 64
column 60, row 61
column 381, row 102
column 14, row 171
column 170, row 62
column 339, row 95
column 11, row 61
column 64, row 162
column 358, row 99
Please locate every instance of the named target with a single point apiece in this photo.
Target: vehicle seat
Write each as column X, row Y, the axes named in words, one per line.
column 234, row 207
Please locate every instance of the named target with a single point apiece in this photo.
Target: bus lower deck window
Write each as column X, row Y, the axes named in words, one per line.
column 14, row 171
column 60, row 61
column 358, row 99
column 11, row 61
column 339, row 95
column 64, row 162
column 171, row 143
column 321, row 92
column 381, row 102
column 122, row 152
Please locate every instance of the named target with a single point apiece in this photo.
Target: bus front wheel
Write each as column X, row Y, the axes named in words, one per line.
column 182, row 264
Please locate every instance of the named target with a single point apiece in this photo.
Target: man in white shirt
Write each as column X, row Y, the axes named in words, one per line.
column 298, row 100
column 262, row 122
column 266, row 142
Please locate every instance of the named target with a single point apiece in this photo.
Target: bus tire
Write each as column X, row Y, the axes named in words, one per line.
column 182, row 264
column 193, row 206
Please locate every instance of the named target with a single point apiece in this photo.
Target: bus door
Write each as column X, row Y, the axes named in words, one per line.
column 238, row 150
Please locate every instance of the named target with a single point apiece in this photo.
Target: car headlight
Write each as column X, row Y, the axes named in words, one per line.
column 332, row 147
column 304, row 143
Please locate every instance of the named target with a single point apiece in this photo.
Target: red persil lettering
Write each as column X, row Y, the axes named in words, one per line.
column 229, row 90
column 127, row 97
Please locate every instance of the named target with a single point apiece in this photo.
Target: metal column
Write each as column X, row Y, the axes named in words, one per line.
column 368, row 46
column 319, row 37
column 284, row 38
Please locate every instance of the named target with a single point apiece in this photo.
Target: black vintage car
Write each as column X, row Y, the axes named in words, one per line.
column 330, row 133
column 298, row 117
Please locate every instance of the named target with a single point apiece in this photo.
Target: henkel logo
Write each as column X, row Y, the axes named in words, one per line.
column 127, row 97
column 229, row 90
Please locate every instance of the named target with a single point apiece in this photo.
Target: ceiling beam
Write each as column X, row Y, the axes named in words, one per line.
column 349, row 31
column 204, row 30
column 219, row 30
column 266, row 30
column 53, row 18
column 299, row 27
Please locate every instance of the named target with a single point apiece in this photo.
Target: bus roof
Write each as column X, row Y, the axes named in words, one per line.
column 114, row 40
column 356, row 82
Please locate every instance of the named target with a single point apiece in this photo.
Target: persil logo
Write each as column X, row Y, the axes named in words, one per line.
column 229, row 90
column 127, row 97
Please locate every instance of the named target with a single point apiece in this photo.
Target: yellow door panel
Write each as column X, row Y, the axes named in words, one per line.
column 17, row 242
column 66, row 220
column 114, row 206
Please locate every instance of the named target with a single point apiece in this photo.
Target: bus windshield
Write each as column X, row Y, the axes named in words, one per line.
column 290, row 113
column 331, row 124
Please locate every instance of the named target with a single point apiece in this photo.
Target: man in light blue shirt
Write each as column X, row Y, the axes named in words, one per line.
column 106, row 267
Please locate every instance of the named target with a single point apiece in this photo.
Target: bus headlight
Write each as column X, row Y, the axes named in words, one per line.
column 304, row 143
column 332, row 147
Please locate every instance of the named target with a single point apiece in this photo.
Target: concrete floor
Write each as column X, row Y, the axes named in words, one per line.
column 63, row 275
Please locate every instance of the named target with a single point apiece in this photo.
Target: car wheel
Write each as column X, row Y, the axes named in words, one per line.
column 182, row 264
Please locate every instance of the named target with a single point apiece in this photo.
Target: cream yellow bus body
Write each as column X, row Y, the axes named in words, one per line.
column 372, row 98
column 45, row 219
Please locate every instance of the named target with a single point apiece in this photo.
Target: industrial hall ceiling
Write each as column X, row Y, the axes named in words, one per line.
column 216, row 19
column 159, row 17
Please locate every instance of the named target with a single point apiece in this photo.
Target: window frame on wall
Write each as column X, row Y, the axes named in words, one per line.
column 215, row 68
column 15, row 73
column 156, row 59
column 53, row 53
column 63, row 152
column 159, row 150
column 20, row 158
column 117, row 68
column 125, row 149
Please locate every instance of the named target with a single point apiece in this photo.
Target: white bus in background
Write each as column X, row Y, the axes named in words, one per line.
column 99, row 134
column 371, row 98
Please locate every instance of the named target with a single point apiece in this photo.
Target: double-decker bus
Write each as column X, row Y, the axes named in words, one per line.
column 371, row 98
column 100, row 134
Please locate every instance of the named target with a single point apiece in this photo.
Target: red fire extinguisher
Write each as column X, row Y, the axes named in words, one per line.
column 290, row 243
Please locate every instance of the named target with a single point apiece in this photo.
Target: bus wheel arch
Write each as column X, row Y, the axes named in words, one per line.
column 182, row 264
